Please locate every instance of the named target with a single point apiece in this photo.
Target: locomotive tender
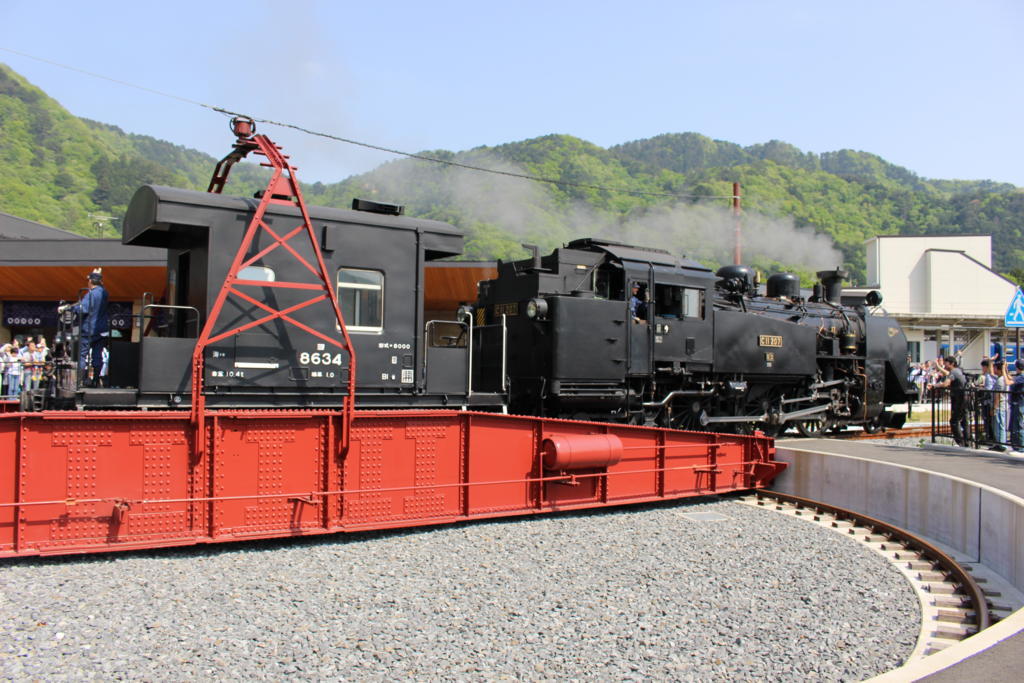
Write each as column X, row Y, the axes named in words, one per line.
column 551, row 336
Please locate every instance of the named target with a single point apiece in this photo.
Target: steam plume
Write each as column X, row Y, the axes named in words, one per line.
column 532, row 213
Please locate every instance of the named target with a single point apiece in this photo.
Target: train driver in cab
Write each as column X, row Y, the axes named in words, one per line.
column 637, row 307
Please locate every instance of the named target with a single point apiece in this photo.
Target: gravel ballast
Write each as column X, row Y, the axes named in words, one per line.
column 624, row 594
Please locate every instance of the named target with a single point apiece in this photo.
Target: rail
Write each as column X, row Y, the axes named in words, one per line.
column 945, row 564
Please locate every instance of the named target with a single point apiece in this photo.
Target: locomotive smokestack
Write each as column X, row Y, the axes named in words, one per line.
column 832, row 281
column 535, row 253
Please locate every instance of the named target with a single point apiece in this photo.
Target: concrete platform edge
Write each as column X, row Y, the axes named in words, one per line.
column 976, row 519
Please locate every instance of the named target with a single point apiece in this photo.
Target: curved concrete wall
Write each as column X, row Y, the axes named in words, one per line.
column 982, row 522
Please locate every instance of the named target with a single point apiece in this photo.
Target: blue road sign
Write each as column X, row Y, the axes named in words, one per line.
column 1015, row 313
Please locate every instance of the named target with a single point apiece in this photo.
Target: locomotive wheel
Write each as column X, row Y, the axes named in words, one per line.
column 690, row 421
column 873, row 426
column 688, row 418
column 813, row 428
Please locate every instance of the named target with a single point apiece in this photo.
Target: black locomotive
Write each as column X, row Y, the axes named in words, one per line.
column 693, row 349
column 556, row 336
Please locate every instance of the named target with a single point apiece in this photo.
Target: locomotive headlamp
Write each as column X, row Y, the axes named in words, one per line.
column 536, row 308
column 464, row 314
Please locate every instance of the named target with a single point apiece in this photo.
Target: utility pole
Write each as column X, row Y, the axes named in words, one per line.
column 100, row 221
column 737, row 255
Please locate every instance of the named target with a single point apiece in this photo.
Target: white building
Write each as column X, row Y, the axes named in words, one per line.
column 945, row 294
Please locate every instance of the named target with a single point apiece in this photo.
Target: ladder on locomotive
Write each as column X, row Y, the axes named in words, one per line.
column 283, row 188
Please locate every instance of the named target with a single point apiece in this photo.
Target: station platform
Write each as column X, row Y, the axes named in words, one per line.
column 1005, row 659
column 998, row 470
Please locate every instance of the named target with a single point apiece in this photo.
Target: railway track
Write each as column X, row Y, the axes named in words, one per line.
column 923, row 431
column 902, row 433
column 954, row 604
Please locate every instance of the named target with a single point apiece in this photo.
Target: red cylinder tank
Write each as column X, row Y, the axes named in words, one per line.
column 580, row 451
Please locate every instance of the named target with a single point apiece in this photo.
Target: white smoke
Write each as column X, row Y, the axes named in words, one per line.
column 707, row 232
column 530, row 212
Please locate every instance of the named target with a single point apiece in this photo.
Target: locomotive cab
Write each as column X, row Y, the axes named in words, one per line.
column 579, row 346
column 675, row 333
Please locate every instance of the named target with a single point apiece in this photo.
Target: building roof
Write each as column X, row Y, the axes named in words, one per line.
column 53, row 269
column 78, row 250
column 14, row 228
column 971, row 258
column 924, row 237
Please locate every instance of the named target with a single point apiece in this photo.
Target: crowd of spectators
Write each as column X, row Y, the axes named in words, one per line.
column 22, row 364
column 23, row 361
column 995, row 396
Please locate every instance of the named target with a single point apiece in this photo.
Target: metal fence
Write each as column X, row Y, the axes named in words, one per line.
column 978, row 418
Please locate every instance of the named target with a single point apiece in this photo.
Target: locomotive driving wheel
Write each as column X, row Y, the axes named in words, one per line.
column 688, row 418
column 874, row 425
column 814, row 427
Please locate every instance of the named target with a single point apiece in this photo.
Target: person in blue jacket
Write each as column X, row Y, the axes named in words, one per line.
column 1017, row 407
column 95, row 327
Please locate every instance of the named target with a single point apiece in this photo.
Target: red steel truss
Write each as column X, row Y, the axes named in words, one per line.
column 283, row 188
column 75, row 482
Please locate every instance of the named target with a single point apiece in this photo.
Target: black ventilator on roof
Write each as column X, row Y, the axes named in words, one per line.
column 378, row 207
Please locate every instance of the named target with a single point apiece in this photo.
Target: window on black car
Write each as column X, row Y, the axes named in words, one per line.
column 257, row 273
column 693, row 303
column 361, row 297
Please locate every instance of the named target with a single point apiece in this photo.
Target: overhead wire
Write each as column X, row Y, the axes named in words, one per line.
column 368, row 145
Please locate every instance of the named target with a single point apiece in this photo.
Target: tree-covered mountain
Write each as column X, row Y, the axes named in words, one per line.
column 69, row 172
column 670, row 190
column 850, row 195
column 847, row 195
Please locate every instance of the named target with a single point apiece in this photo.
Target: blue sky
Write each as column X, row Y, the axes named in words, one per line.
column 933, row 86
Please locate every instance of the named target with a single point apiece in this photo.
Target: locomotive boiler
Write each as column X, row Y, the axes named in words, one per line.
column 695, row 349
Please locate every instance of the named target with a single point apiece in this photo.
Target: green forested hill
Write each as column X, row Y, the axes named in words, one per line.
column 846, row 195
column 58, row 169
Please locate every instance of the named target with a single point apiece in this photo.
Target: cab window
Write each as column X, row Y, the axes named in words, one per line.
column 693, row 303
column 361, row 297
column 674, row 301
column 608, row 283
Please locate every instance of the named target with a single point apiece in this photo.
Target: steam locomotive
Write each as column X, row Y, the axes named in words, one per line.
column 550, row 336
column 702, row 350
